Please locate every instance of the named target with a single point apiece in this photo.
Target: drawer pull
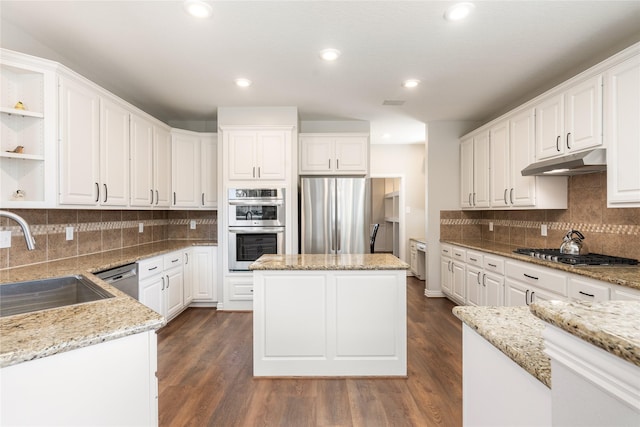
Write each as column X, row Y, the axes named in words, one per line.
column 493, row 265
column 530, row 277
column 153, row 268
column 176, row 260
column 445, row 251
column 586, row 294
column 458, row 255
column 473, row 259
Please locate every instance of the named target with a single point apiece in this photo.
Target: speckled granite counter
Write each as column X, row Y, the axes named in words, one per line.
column 329, row 262
column 613, row 326
column 29, row 336
column 623, row 276
column 515, row 332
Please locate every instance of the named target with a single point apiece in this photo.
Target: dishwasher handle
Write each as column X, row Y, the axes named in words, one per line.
column 118, row 277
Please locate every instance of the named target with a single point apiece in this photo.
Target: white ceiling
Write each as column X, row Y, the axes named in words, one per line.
column 175, row 67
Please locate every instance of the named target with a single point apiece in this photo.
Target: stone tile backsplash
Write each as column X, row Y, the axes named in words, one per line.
column 606, row 230
column 99, row 230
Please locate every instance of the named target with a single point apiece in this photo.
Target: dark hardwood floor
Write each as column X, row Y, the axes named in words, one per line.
column 205, row 376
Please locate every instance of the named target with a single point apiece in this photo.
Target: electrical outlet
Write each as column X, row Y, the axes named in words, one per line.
column 140, row 227
column 5, row 239
column 192, row 224
column 543, row 229
column 69, row 231
column 490, row 226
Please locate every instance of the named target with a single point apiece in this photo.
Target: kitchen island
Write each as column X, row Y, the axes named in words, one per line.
column 329, row 315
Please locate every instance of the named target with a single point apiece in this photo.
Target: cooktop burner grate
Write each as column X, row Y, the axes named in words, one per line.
column 555, row 255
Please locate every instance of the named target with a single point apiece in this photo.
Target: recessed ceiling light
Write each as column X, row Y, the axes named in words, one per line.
column 329, row 54
column 458, row 11
column 243, row 82
column 198, row 8
column 410, row 83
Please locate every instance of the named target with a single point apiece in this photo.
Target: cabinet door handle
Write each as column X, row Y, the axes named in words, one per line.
column 558, row 143
column 186, row 256
column 511, row 196
column 505, row 197
column 202, row 199
column 474, row 199
column 97, row 192
column 484, row 280
column 168, row 282
column 151, row 196
column 329, row 163
column 337, row 163
column 526, row 297
column 157, row 197
column 106, row 193
column 162, row 284
column 532, row 294
column 586, row 294
column 448, row 265
column 258, row 171
column 174, row 198
column 479, row 277
column 254, row 171
column 568, row 146
column 470, row 200
column 530, row 277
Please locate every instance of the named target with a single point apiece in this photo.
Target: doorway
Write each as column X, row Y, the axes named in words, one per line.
column 387, row 209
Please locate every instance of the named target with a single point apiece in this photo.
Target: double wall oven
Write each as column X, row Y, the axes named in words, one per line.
column 256, row 225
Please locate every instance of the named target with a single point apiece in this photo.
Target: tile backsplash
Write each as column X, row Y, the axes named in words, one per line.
column 99, row 230
column 606, row 230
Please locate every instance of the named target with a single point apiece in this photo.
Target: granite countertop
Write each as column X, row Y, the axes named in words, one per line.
column 515, row 331
column 624, row 276
column 613, row 326
column 30, row 336
column 329, row 262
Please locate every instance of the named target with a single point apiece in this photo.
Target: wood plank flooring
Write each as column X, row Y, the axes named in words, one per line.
column 205, row 376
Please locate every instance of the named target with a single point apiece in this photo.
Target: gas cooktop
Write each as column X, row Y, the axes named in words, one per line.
column 555, row 255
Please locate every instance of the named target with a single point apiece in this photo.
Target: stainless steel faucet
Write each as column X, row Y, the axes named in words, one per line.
column 28, row 237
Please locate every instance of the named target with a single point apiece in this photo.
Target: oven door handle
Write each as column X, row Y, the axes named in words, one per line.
column 256, row 202
column 254, row 230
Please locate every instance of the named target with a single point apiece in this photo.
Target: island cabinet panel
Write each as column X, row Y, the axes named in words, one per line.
column 330, row 323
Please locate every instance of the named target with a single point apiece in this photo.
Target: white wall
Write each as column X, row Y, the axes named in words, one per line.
column 258, row 116
column 442, row 188
column 320, row 126
column 406, row 161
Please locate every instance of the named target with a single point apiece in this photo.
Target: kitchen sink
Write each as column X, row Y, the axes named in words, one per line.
column 34, row 295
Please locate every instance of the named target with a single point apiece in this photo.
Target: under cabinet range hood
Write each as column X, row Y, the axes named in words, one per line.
column 589, row 161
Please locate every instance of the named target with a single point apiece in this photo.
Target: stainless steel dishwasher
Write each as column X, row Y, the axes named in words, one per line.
column 123, row 278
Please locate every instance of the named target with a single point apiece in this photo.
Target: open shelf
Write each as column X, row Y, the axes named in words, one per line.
column 22, row 113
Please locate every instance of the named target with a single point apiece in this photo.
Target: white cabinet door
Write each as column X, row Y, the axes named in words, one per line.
column 185, row 169
column 204, row 261
column 493, row 288
column 351, row 154
column 142, row 188
column 271, row 157
column 515, row 293
column 521, row 153
column 79, row 163
column 316, row 154
column 458, row 277
column 445, row 275
column 174, row 291
column 114, row 154
column 474, row 286
column 500, row 177
column 152, row 293
column 583, row 120
column 622, row 125
column 241, row 160
column 550, row 127
column 466, row 173
column 209, row 172
column 187, row 273
column 161, row 167
column 481, row 170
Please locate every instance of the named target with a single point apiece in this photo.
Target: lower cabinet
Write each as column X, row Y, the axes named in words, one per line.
column 203, row 277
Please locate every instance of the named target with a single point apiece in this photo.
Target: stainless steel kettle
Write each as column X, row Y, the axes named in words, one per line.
column 572, row 243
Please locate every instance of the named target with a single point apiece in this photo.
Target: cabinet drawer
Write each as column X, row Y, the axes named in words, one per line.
column 459, row 254
column 538, row 277
column 474, row 258
column 494, row 264
column 446, row 250
column 174, row 259
column 150, row 267
column 241, row 291
column 588, row 290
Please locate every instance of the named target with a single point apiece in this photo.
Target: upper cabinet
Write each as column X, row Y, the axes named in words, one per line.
column 258, row 154
column 114, row 153
column 570, row 120
column 28, row 132
column 622, row 127
column 474, row 171
column 194, row 160
column 334, row 154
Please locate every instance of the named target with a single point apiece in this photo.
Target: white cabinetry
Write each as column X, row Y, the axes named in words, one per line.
column 203, row 264
column 194, row 169
column 150, row 163
column 162, row 284
column 344, row 154
column 175, row 284
column 445, row 269
column 570, row 120
column 453, row 272
column 484, row 279
column 257, row 154
column 622, row 127
column 114, row 153
column 30, row 81
column 528, row 283
column 474, row 171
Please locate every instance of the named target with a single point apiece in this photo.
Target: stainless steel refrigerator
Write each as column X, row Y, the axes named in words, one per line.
column 334, row 215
